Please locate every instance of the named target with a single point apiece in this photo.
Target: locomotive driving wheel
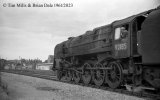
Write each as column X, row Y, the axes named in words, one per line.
column 87, row 76
column 68, row 75
column 114, row 75
column 98, row 75
column 76, row 77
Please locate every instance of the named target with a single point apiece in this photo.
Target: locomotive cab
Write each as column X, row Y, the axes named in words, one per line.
column 137, row 39
column 121, row 41
column 127, row 33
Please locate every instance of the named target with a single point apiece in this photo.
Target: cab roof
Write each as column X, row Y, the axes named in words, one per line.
column 131, row 18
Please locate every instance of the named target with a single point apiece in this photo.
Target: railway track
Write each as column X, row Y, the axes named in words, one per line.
column 50, row 75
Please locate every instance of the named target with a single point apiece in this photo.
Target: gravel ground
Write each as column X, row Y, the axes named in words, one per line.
column 29, row 88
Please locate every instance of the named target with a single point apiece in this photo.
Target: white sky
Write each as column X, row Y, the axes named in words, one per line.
column 34, row 32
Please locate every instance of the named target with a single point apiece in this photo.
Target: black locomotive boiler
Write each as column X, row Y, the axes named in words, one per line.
column 124, row 52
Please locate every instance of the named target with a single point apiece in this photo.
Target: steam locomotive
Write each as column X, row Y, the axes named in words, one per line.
column 126, row 51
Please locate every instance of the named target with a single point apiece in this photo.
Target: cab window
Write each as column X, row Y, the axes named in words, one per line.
column 117, row 33
column 121, row 32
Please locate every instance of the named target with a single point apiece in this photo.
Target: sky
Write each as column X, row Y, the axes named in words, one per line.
column 33, row 32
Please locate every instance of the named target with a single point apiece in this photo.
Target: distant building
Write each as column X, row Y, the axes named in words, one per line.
column 6, row 67
column 44, row 66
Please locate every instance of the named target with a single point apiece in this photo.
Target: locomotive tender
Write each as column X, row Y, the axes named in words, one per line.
column 126, row 51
